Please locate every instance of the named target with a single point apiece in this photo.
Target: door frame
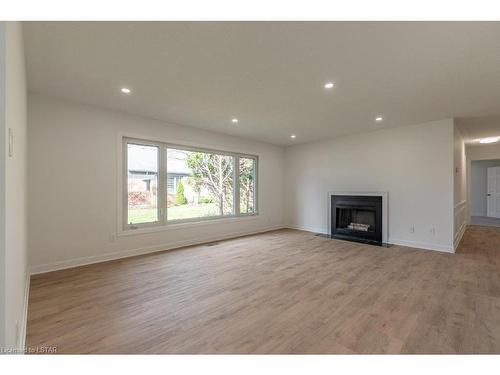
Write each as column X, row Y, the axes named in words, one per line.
column 470, row 157
column 489, row 199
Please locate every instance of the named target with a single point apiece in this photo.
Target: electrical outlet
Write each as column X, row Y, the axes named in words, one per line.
column 412, row 229
column 112, row 237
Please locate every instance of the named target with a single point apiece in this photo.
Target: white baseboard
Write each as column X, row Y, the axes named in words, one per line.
column 392, row 241
column 23, row 324
column 422, row 245
column 307, row 229
column 71, row 263
column 480, row 214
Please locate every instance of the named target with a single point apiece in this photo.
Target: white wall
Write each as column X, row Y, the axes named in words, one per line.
column 73, row 184
column 483, row 152
column 3, row 157
column 14, row 169
column 414, row 164
column 478, row 185
column 459, row 186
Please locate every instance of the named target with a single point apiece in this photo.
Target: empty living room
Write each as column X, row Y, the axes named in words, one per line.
column 218, row 185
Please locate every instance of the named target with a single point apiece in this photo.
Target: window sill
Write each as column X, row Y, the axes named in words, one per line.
column 184, row 225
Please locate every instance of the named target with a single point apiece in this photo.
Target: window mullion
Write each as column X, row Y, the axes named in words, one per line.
column 162, row 184
column 236, row 185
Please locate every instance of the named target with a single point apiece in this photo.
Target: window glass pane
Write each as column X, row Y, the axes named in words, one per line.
column 247, row 185
column 200, row 184
column 142, row 194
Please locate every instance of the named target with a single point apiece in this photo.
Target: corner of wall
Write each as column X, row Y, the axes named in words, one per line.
column 15, row 194
column 2, row 183
column 459, row 186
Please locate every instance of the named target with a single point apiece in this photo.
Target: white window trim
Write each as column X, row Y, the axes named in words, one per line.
column 124, row 229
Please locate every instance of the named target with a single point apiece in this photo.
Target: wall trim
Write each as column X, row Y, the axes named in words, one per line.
column 459, row 235
column 458, row 209
column 307, row 228
column 193, row 224
column 24, row 319
column 71, row 263
column 392, row 241
column 421, row 245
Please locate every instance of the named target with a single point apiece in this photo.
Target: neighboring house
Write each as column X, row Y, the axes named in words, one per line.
column 143, row 174
column 177, row 172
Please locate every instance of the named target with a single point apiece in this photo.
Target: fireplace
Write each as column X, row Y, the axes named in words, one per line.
column 357, row 218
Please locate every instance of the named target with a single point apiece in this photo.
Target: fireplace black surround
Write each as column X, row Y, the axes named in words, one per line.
column 357, row 218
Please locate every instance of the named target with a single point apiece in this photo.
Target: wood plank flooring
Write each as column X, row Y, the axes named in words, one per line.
column 284, row 291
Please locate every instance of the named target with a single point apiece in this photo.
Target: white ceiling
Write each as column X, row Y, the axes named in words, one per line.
column 475, row 128
column 271, row 75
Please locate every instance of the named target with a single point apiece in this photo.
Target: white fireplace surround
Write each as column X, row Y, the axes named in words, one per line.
column 383, row 194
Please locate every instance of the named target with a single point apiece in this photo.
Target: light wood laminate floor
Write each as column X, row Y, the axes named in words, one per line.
column 284, row 291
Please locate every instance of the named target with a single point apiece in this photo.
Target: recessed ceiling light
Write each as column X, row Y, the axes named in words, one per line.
column 234, row 120
column 293, row 136
column 489, row 140
column 379, row 118
column 125, row 90
column 329, row 85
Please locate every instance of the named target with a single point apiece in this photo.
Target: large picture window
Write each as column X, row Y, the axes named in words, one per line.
column 168, row 184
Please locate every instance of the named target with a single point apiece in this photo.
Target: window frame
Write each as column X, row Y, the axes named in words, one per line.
column 160, row 198
column 163, row 221
column 255, row 188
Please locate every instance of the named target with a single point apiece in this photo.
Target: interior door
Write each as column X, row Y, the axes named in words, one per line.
column 493, row 198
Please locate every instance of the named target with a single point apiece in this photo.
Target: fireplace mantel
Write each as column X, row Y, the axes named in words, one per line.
column 383, row 194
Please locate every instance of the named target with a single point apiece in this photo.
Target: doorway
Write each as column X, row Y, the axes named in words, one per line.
column 485, row 192
column 493, row 192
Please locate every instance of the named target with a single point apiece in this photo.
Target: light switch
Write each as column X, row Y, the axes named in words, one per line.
column 11, row 143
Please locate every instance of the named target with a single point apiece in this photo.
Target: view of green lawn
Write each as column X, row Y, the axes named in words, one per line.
column 148, row 215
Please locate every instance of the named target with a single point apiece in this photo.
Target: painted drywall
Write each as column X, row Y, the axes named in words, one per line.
column 413, row 164
column 15, row 169
column 3, row 156
column 459, row 186
column 73, row 184
column 483, row 152
column 478, row 185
